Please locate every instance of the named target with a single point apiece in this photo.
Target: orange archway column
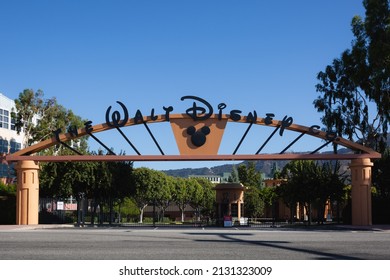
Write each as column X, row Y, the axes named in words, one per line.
column 27, row 193
column 361, row 191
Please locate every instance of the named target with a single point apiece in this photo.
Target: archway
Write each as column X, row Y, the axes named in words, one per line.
column 198, row 133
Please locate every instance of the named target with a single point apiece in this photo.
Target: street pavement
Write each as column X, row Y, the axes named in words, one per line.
column 57, row 242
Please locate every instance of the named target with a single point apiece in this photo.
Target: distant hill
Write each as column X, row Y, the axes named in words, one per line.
column 264, row 166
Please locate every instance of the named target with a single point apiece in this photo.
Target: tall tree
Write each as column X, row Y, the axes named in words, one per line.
column 233, row 177
column 207, row 203
column 309, row 182
column 330, row 186
column 252, row 180
column 120, row 184
column 38, row 117
column 182, row 194
column 162, row 191
column 100, row 188
column 29, row 106
column 301, row 180
column 249, row 176
column 144, row 181
column 197, row 196
column 359, row 77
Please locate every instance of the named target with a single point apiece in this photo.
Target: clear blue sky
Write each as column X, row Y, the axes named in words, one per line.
column 252, row 55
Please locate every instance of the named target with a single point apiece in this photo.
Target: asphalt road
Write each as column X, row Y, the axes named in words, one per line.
column 192, row 244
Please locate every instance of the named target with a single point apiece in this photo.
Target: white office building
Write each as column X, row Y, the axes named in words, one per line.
column 10, row 140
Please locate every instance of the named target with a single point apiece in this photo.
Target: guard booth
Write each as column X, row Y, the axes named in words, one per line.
column 230, row 202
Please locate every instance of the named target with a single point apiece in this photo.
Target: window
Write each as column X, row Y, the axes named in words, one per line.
column 3, row 146
column 13, row 124
column 4, row 119
column 15, row 146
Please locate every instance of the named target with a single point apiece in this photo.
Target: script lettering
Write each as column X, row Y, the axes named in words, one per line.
column 196, row 112
column 116, row 116
column 286, row 122
column 167, row 110
column 268, row 119
column 221, row 106
column 251, row 118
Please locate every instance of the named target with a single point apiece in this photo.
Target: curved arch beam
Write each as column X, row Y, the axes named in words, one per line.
column 312, row 131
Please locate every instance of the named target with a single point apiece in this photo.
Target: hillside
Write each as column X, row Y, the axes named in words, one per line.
column 264, row 166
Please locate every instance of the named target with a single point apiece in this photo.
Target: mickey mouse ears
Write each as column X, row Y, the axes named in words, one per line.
column 198, row 138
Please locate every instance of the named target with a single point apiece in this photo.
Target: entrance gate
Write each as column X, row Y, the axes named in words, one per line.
column 198, row 133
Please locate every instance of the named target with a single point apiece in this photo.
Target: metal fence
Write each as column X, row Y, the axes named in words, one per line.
column 53, row 211
column 204, row 223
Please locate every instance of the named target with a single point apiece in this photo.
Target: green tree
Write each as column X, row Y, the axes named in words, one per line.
column 269, row 195
column 301, row 180
column 289, row 194
column 330, row 186
column 233, row 178
column 360, row 76
column 120, row 185
column 29, row 106
column 63, row 179
column 254, row 205
column 127, row 208
column 105, row 183
column 144, row 181
column 248, row 176
column 162, row 191
column 197, row 196
column 100, row 189
column 252, row 180
column 207, row 204
column 310, row 183
column 38, row 117
column 182, row 194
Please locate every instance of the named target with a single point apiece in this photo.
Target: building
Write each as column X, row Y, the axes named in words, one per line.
column 230, row 200
column 10, row 140
column 215, row 179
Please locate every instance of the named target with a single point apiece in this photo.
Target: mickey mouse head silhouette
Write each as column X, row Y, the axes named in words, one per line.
column 198, row 138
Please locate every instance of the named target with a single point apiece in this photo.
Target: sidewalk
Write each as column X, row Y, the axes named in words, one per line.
column 385, row 228
column 32, row 227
